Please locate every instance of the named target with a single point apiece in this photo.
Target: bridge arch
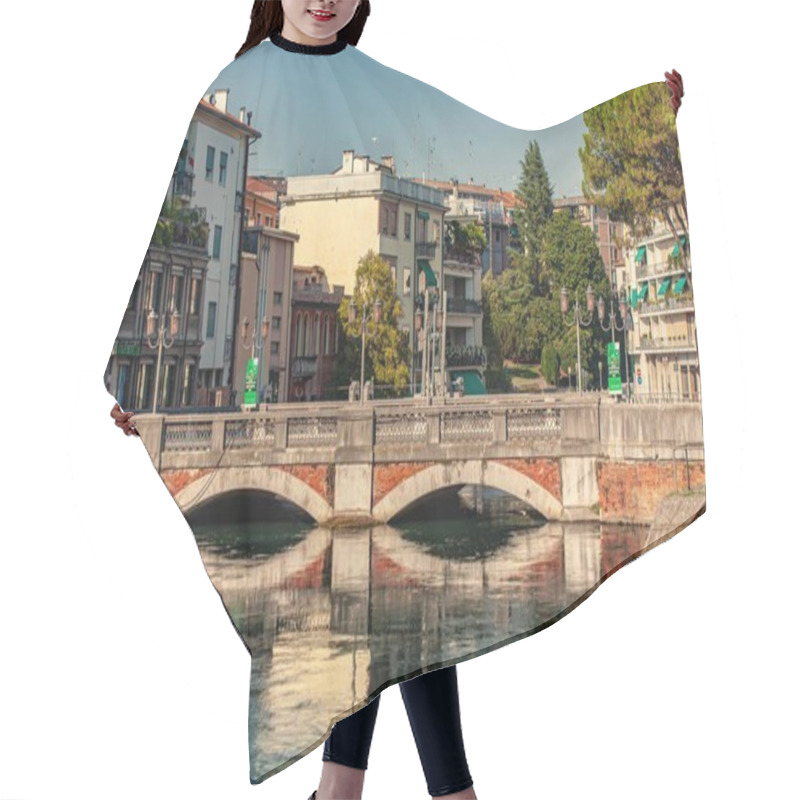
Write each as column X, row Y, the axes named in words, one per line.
column 264, row 479
column 482, row 473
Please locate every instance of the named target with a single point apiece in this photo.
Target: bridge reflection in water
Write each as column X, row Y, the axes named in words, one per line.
column 332, row 616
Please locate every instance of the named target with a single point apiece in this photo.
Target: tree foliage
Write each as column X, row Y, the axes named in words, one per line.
column 631, row 162
column 387, row 353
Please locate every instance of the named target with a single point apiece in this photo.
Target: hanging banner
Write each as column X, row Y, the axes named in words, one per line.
column 614, row 377
column 250, row 383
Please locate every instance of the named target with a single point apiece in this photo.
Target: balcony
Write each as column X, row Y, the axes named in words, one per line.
column 304, row 366
column 462, row 355
column 669, row 306
column 183, row 184
column 462, row 305
column 671, row 266
column 673, row 343
column 425, row 249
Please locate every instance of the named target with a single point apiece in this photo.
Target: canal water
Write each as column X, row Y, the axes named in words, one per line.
column 333, row 616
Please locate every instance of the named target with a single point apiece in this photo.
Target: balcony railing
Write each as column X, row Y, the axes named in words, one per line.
column 465, row 356
column 425, row 249
column 668, row 343
column 304, row 366
column 671, row 266
column 463, row 305
column 668, row 305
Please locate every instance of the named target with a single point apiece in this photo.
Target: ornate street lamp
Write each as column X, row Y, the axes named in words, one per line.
column 377, row 313
column 578, row 321
column 164, row 340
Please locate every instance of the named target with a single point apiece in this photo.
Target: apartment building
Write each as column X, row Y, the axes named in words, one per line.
column 264, row 303
column 663, row 342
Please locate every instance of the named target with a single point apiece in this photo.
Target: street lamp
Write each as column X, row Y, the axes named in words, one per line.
column 163, row 340
column 578, row 321
column 255, row 342
column 432, row 326
column 377, row 308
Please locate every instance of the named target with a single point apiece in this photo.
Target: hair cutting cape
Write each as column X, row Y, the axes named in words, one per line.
column 418, row 380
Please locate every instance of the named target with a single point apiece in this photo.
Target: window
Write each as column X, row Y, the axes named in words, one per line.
column 276, row 323
column 407, row 226
column 194, row 297
column 223, row 168
column 325, row 335
column 277, row 298
column 496, row 235
column 388, row 218
column 188, row 383
column 217, row 241
column 176, row 295
column 210, row 163
column 406, row 281
column 273, row 348
column 155, row 292
column 211, row 320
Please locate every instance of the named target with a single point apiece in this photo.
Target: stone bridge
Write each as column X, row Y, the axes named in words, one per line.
column 569, row 458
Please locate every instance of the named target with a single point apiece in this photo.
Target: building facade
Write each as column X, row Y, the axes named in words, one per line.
column 264, row 301
column 316, row 335
column 218, row 145
column 663, row 343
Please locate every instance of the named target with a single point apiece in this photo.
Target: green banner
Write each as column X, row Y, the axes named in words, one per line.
column 614, row 377
column 250, row 383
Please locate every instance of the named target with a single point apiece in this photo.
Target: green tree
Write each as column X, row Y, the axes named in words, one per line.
column 550, row 364
column 631, row 162
column 572, row 260
column 387, row 352
column 535, row 196
column 495, row 374
column 464, row 242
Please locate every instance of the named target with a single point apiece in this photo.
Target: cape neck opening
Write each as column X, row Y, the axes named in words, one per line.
column 309, row 49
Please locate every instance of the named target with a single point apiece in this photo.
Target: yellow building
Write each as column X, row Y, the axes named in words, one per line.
column 364, row 205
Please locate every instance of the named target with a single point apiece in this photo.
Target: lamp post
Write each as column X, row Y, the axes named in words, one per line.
column 377, row 307
column 431, row 326
column 621, row 301
column 578, row 321
column 256, row 344
column 163, row 340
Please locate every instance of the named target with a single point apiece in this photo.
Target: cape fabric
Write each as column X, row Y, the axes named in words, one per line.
column 398, row 443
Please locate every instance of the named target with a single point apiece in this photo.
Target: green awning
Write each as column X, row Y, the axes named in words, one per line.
column 662, row 290
column 430, row 275
column 422, row 214
column 676, row 250
column 472, row 382
column 679, row 284
column 643, row 291
column 634, row 297
column 641, row 255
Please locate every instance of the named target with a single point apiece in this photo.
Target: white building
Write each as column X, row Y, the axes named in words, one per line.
column 663, row 342
column 218, row 145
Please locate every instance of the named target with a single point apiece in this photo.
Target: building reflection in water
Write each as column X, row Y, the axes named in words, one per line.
column 333, row 617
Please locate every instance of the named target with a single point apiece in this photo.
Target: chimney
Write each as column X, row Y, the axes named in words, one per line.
column 219, row 99
column 388, row 161
column 347, row 161
column 242, row 111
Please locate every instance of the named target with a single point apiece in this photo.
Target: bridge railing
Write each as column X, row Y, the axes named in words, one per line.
column 342, row 430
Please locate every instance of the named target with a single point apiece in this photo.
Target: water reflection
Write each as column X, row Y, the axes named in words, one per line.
column 332, row 617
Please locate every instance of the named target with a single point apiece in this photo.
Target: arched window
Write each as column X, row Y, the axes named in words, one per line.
column 298, row 328
column 325, row 323
column 314, row 325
